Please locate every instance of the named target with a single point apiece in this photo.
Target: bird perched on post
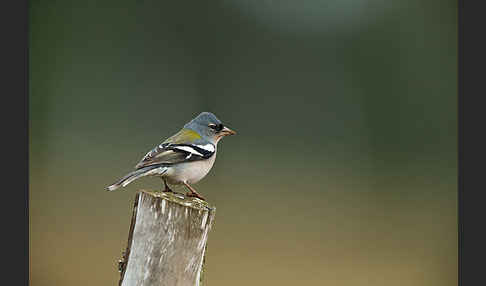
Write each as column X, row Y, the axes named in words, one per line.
column 185, row 158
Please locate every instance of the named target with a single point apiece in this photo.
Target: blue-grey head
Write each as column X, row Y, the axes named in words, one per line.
column 209, row 126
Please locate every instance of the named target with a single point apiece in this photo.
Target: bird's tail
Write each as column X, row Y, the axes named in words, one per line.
column 132, row 176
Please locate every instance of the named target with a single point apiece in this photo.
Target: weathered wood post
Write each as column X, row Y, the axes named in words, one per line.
column 166, row 241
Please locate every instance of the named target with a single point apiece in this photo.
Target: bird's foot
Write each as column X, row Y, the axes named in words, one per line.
column 195, row 195
column 167, row 190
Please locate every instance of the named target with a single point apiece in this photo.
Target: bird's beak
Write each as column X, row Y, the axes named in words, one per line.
column 226, row 131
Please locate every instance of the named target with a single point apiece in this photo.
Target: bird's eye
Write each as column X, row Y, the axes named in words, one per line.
column 215, row 127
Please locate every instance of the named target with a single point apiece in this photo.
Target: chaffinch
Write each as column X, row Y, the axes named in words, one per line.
column 185, row 158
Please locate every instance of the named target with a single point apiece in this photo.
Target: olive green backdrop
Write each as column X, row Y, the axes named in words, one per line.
column 343, row 171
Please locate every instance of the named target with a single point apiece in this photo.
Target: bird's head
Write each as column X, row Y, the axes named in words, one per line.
column 209, row 126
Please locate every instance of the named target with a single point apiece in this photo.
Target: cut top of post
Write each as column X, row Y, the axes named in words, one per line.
column 180, row 199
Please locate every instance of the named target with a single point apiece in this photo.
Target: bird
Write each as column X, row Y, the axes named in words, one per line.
column 184, row 158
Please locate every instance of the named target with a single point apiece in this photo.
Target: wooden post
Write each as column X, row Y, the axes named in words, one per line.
column 166, row 241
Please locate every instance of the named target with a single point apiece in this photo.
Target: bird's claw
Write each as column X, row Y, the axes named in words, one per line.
column 195, row 195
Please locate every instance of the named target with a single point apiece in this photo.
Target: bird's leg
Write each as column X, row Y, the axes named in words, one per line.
column 193, row 192
column 167, row 189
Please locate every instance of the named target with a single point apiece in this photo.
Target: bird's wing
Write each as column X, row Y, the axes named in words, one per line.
column 177, row 149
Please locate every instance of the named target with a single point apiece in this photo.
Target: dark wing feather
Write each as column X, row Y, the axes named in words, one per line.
column 170, row 153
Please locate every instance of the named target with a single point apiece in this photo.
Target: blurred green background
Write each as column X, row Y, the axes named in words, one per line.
column 343, row 171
